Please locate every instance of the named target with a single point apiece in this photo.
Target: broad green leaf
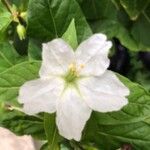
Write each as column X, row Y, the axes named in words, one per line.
column 53, row 19
column 112, row 137
column 96, row 9
column 34, row 51
column 111, row 130
column 24, row 125
column 51, row 131
column 2, row 36
column 5, row 18
column 140, row 32
column 8, row 56
column 70, row 36
column 134, row 7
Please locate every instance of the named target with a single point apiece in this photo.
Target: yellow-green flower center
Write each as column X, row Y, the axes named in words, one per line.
column 72, row 75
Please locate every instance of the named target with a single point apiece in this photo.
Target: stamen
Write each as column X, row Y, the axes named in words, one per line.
column 82, row 66
column 72, row 67
column 73, row 72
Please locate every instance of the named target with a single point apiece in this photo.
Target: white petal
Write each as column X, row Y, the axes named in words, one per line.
column 104, row 103
column 57, row 55
column 93, row 53
column 72, row 114
column 107, row 83
column 40, row 95
column 39, row 106
column 105, row 93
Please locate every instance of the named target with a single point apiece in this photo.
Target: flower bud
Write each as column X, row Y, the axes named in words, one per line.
column 21, row 31
column 23, row 15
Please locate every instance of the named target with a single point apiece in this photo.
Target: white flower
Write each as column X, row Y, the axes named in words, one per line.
column 72, row 84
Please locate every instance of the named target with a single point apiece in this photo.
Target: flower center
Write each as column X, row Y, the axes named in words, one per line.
column 73, row 73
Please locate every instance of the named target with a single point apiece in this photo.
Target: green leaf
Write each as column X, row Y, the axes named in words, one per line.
column 96, row 9
column 140, row 31
column 5, row 18
column 51, row 131
column 3, row 36
column 8, row 56
column 114, row 136
column 53, row 19
column 134, row 7
column 112, row 130
column 70, row 36
column 34, row 51
column 24, row 125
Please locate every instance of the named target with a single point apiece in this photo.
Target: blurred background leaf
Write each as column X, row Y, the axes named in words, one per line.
column 134, row 8
column 53, row 19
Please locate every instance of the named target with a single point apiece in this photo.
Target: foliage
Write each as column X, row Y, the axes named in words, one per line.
column 74, row 21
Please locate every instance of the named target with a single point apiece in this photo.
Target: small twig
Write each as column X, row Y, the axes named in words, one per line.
column 8, row 5
column 15, row 14
column 12, row 108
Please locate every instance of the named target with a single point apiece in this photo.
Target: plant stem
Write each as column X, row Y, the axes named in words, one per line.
column 8, row 5
column 51, row 131
column 13, row 11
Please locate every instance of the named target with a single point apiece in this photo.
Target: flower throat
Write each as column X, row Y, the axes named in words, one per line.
column 72, row 75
